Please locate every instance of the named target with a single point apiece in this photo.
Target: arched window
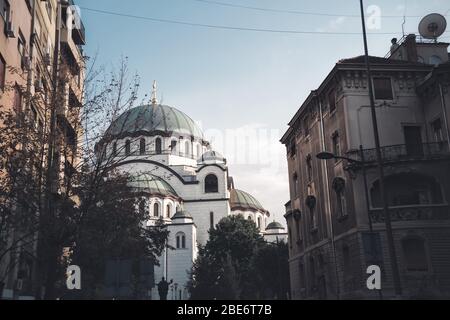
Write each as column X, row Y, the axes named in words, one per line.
column 407, row 189
column 142, row 146
column 156, row 209
column 181, row 240
column 415, row 254
column 339, row 189
column 250, row 218
column 173, row 146
column 259, row 222
column 211, row 184
column 187, row 149
column 158, row 146
column 168, row 210
column 127, row 147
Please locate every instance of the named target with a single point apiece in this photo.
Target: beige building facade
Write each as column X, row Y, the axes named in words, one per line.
column 37, row 59
column 329, row 216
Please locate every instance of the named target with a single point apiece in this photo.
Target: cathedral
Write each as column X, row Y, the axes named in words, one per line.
column 182, row 180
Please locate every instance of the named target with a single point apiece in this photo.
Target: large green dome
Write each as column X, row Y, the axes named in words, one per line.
column 155, row 119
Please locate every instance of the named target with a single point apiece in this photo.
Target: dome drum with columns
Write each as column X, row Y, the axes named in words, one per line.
column 180, row 179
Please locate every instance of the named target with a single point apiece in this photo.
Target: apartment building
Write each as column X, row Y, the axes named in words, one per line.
column 329, row 216
column 41, row 78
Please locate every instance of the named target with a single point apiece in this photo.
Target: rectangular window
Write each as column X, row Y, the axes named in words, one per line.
column 21, row 46
column 313, row 218
column 17, row 99
column 413, row 140
column 2, row 72
column 293, row 149
column 297, row 229
column 309, row 168
column 306, row 127
column 437, row 130
column 332, row 101
column 211, row 220
column 295, row 185
column 383, row 88
column 342, row 204
column 336, row 145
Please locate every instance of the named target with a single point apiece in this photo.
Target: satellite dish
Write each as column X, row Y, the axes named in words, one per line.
column 432, row 26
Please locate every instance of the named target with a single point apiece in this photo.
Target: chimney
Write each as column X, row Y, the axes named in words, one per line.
column 411, row 48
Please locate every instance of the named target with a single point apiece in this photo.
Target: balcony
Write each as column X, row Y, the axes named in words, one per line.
column 79, row 35
column 413, row 213
column 403, row 152
column 78, row 31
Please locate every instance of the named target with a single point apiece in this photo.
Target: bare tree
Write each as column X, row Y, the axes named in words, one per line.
column 55, row 199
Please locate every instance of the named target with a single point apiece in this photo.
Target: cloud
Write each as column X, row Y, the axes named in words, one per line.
column 257, row 163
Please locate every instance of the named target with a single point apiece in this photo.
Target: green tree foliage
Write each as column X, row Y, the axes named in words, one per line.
column 234, row 264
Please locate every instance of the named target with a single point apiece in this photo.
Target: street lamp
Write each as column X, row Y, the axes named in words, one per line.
column 328, row 156
column 387, row 217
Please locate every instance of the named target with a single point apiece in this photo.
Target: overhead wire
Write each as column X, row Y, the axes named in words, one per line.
column 227, row 27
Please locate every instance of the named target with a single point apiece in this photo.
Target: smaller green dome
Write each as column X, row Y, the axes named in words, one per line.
column 211, row 156
column 274, row 225
column 152, row 184
column 182, row 215
column 241, row 200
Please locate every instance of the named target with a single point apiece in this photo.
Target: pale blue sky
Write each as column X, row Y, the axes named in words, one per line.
column 229, row 79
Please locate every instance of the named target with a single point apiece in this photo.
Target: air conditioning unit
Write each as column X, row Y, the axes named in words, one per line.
column 10, row 30
column 26, row 63
column 19, row 284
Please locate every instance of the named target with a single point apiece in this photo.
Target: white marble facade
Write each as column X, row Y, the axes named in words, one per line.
column 181, row 180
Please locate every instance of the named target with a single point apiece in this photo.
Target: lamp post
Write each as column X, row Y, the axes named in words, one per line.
column 362, row 163
column 387, row 217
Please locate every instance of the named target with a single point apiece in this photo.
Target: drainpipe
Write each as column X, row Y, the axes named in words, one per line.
column 444, row 112
column 328, row 199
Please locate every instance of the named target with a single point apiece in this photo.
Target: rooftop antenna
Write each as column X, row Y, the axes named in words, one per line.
column 432, row 26
column 153, row 99
column 404, row 20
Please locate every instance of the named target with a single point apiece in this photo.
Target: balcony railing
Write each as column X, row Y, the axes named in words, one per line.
column 404, row 152
column 413, row 213
column 79, row 31
column 400, row 43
